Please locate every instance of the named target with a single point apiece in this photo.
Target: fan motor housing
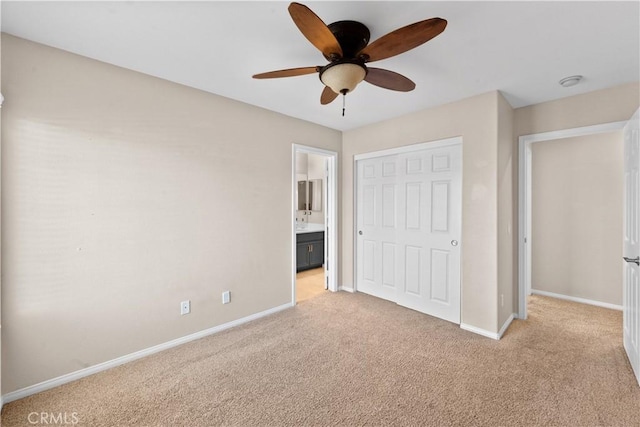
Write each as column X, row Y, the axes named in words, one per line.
column 353, row 36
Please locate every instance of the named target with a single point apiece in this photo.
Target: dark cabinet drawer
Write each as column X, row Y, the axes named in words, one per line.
column 310, row 237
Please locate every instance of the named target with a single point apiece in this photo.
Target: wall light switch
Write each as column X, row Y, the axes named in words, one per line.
column 226, row 297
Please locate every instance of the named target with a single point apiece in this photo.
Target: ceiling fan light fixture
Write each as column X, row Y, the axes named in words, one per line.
column 345, row 44
column 343, row 77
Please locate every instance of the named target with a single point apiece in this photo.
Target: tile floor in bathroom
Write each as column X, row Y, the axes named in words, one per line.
column 309, row 283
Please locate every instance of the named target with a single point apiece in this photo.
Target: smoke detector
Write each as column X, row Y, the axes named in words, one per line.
column 570, row 81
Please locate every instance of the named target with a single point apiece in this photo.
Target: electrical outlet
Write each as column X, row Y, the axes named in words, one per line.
column 226, row 297
column 185, row 307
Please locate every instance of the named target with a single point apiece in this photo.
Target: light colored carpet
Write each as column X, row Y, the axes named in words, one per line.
column 350, row 359
column 309, row 284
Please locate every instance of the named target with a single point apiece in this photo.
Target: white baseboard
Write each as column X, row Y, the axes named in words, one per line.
column 479, row 331
column 346, row 289
column 485, row 333
column 506, row 324
column 577, row 299
column 73, row 376
column 1, row 403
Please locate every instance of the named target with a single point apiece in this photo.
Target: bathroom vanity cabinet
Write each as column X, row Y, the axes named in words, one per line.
column 309, row 250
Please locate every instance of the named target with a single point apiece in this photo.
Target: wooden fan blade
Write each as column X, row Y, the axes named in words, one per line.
column 389, row 80
column 315, row 30
column 403, row 39
column 327, row 96
column 291, row 72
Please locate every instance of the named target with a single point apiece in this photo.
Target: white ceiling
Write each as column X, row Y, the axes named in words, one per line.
column 520, row 48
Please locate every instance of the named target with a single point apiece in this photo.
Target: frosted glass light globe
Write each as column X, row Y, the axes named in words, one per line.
column 343, row 78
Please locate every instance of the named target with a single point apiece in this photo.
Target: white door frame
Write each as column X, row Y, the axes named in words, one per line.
column 524, row 198
column 331, row 216
column 381, row 153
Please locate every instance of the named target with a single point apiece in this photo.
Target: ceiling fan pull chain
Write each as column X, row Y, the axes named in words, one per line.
column 344, row 97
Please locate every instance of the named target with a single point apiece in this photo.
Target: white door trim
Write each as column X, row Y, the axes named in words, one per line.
column 381, row 153
column 331, row 228
column 524, row 198
column 408, row 148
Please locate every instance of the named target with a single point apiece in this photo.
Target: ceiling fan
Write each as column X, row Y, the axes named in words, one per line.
column 345, row 44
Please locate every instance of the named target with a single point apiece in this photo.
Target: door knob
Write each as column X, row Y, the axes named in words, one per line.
column 454, row 243
column 360, row 232
column 635, row 260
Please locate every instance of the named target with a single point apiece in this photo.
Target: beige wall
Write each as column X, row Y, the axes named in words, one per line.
column 125, row 194
column 603, row 106
column 577, row 217
column 475, row 119
column 506, row 195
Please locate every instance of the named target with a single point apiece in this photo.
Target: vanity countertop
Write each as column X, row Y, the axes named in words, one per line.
column 308, row 227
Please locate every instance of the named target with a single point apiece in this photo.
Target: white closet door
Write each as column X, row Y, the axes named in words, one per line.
column 409, row 226
column 377, row 261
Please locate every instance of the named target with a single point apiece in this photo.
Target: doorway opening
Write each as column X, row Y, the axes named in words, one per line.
column 554, row 241
column 314, row 219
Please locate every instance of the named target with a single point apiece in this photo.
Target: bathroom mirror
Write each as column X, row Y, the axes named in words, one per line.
column 315, row 191
column 310, row 195
column 302, row 195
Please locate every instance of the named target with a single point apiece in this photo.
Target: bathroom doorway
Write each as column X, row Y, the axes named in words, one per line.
column 314, row 214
